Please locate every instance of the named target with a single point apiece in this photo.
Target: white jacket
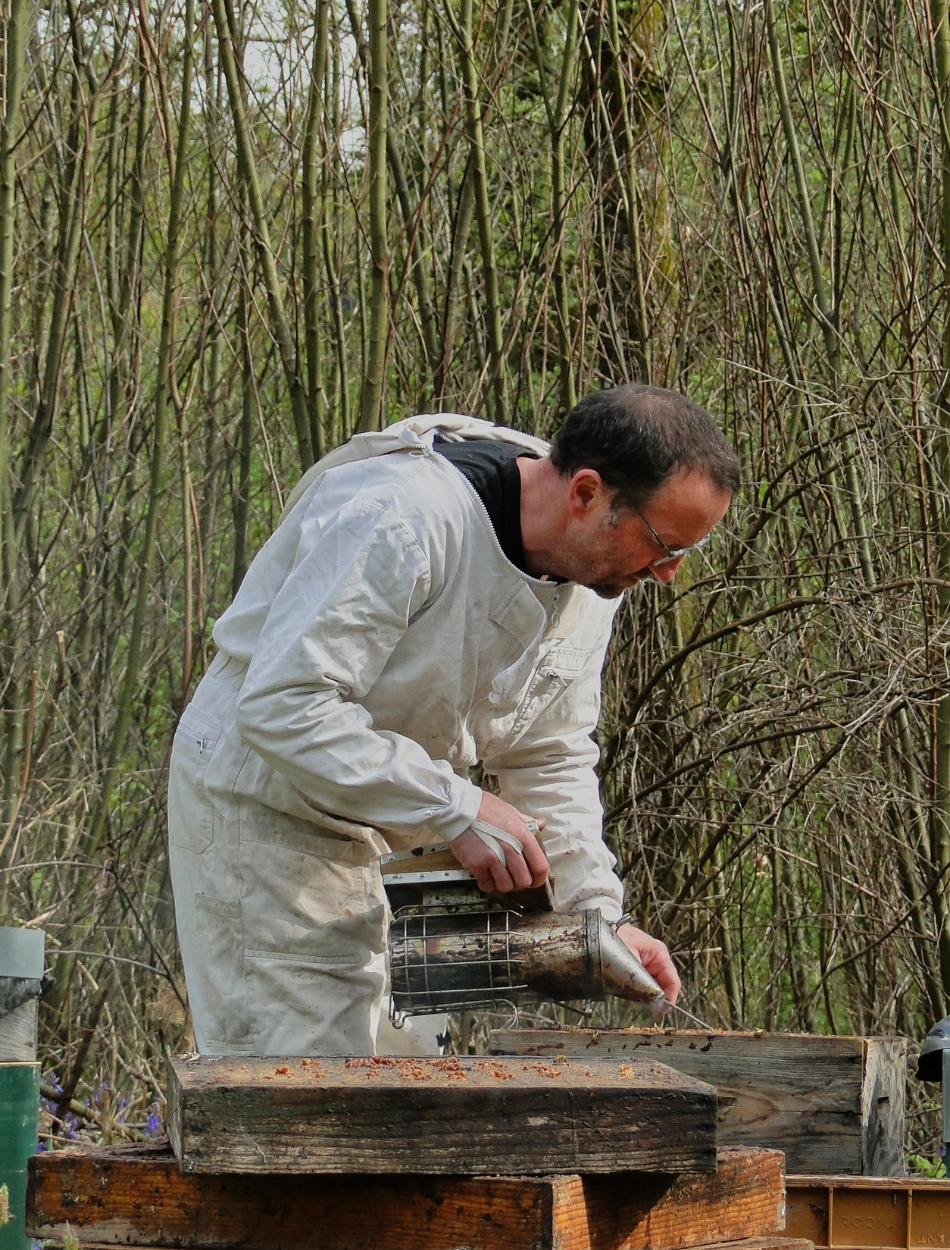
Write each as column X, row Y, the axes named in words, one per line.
column 390, row 646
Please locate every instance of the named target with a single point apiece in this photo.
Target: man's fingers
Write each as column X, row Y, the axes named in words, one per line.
column 660, row 966
column 536, row 861
column 530, row 867
column 655, row 957
column 535, row 858
column 483, row 879
column 523, row 866
column 519, row 870
column 502, row 878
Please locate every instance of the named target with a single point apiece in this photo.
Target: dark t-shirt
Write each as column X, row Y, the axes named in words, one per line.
column 492, row 470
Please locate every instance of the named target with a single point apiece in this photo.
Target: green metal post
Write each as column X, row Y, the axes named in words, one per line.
column 22, row 955
column 19, row 1109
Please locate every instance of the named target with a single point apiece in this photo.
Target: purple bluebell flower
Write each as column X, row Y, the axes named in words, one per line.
column 153, row 1125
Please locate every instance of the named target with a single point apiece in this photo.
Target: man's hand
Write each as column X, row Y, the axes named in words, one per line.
column 654, row 956
column 519, row 871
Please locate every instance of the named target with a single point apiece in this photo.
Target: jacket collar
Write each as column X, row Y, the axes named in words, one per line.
column 418, row 431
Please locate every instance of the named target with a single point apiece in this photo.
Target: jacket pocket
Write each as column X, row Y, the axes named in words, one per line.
column 521, row 615
column 565, row 662
column 190, row 811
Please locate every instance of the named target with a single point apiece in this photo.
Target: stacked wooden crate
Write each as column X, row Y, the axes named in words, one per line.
column 833, row 1105
column 492, row 1153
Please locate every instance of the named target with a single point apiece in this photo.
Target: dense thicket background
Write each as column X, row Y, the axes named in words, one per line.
column 232, row 233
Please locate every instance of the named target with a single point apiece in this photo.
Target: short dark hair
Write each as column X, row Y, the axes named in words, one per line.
column 637, row 437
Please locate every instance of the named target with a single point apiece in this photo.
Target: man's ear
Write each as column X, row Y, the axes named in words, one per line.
column 585, row 492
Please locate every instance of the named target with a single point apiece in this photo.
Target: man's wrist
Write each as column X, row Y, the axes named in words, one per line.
column 459, row 814
column 608, row 907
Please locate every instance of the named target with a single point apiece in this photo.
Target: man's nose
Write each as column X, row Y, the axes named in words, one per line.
column 667, row 570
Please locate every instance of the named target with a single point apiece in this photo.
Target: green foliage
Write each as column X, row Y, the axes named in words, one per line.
column 932, row 1169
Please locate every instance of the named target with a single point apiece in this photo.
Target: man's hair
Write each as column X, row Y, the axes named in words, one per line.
column 637, row 437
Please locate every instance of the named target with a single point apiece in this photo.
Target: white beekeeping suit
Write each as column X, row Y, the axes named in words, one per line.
column 380, row 646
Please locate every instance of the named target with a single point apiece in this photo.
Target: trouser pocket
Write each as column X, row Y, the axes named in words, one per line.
column 314, row 920
column 217, row 982
column 306, row 896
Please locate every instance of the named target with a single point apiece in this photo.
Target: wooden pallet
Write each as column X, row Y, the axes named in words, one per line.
column 137, row 1196
column 832, row 1104
column 455, row 1116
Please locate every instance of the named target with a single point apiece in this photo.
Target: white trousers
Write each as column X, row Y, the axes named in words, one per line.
column 281, row 922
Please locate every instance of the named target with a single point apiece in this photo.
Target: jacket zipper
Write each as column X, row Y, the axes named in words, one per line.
column 432, row 453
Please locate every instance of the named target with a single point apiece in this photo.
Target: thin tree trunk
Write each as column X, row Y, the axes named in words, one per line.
column 226, row 30
column 453, row 286
column 558, row 114
column 940, row 23
column 466, row 40
column 214, row 391
column 177, row 166
column 312, row 211
column 71, row 213
column 371, row 415
column 242, row 498
column 332, row 252
column 14, row 38
column 430, row 336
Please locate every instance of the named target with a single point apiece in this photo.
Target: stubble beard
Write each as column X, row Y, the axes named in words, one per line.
column 576, row 568
column 576, row 565
column 605, row 590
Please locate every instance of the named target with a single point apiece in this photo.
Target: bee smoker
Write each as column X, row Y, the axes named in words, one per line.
column 453, row 948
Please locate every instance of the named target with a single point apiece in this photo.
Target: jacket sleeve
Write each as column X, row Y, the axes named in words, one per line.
column 549, row 772
column 357, row 580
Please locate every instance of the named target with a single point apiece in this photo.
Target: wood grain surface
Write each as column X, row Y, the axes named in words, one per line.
column 777, row 1241
column 744, row 1197
column 832, row 1104
column 137, row 1196
column 452, row 1116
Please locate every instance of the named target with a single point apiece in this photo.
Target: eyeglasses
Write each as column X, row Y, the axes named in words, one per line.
column 672, row 553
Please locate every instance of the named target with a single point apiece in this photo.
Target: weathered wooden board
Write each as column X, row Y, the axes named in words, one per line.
column 18, row 1034
column 137, row 1196
column 777, row 1241
column 471, row 1115
column 832, row 1104
column 744, row 1197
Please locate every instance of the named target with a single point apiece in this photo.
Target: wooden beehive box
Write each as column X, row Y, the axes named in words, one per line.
column 137, row 1197
column 832, row 1104
column 465, row 1116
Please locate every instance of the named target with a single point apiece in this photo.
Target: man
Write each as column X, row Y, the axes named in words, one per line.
column 437, row 595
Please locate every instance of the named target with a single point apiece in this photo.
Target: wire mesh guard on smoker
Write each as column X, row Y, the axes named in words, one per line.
column 453, row 948
column 452, row 961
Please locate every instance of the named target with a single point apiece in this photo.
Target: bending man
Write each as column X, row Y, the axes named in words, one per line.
column 436, row 596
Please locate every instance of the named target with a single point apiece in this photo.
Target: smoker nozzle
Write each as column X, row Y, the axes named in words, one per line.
column 624, row 976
